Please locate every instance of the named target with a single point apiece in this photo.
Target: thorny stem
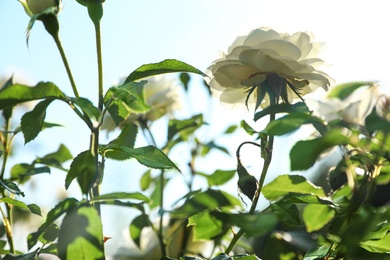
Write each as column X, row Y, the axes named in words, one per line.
column 66, row 64
column 267, row 161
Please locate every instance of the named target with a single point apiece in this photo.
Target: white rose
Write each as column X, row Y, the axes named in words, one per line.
column 266, row 62
column 354, row 109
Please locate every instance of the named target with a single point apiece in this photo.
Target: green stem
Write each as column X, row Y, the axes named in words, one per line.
column 100, row 63
column 66, row 64
column 267, row 161
column 7, row 219
column 160, row 233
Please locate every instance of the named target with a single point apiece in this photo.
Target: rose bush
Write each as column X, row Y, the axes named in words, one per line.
column 265, row 66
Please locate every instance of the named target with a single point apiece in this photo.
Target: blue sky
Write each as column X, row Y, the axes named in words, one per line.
column 139, row 32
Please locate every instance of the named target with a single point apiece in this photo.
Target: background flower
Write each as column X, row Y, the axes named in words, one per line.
column 163, row 97
column 265, row 66
column 354, row 109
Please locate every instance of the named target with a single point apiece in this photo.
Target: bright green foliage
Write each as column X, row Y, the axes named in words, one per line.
column 80, row 235
column 282, row 108
column 126, row 99
column 84, row 169
column 290, row 123
column 286, row 184
column 342, row 91
column 52, row 216
column 316, row 216
column 207, row 200
column 305, row 153
column 87, row 107
column 165, row 66
column 16, row 94
column 219, row 177
column 149, row 156
column 32, row 122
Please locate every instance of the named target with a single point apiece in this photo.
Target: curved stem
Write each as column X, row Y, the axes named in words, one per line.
column 267, row 156
column 66, row 64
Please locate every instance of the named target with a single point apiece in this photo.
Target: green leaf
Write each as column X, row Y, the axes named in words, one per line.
column 285, row 184
column 53, row 215
column 184, row 127
column 146, row 180
column 254, row 224
column 316, row 216
column 248, row 128
column 28, row 256
column 35, row 209
column 287, row 213
column 219, row 177
column 318, row 253
column 126, row 99
column 121, row 195
column 149, row 156
column 290, row 123
column 304, row 154
column 83, row 168
column 377, row 246
column 239, row 257
column 343, row 91
column 207, row 200
column 231, row 129
column 51, row 249
column 375, row 123
column 205, row 226
column 80, row 235
column 15, row 203
column 185, row 79
column 166, row 66
column 32, row 122
column 282, row 108
column 17, row 93
column 126, row 138
column 136, row 226
column 23, row 171
column 212, row 145
column 11, row 187
column 56, row 158
column 50, row 234
column 87, row 107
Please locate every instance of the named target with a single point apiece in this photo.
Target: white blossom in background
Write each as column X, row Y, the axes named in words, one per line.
column 161, row 94
column 265, row 61
column 354, row 109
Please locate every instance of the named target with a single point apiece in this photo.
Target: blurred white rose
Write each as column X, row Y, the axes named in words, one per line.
column 38, row 6
column 161, row 94
column 354, row 109
column 174, row 232
column 265, row 63
column 383, row 107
